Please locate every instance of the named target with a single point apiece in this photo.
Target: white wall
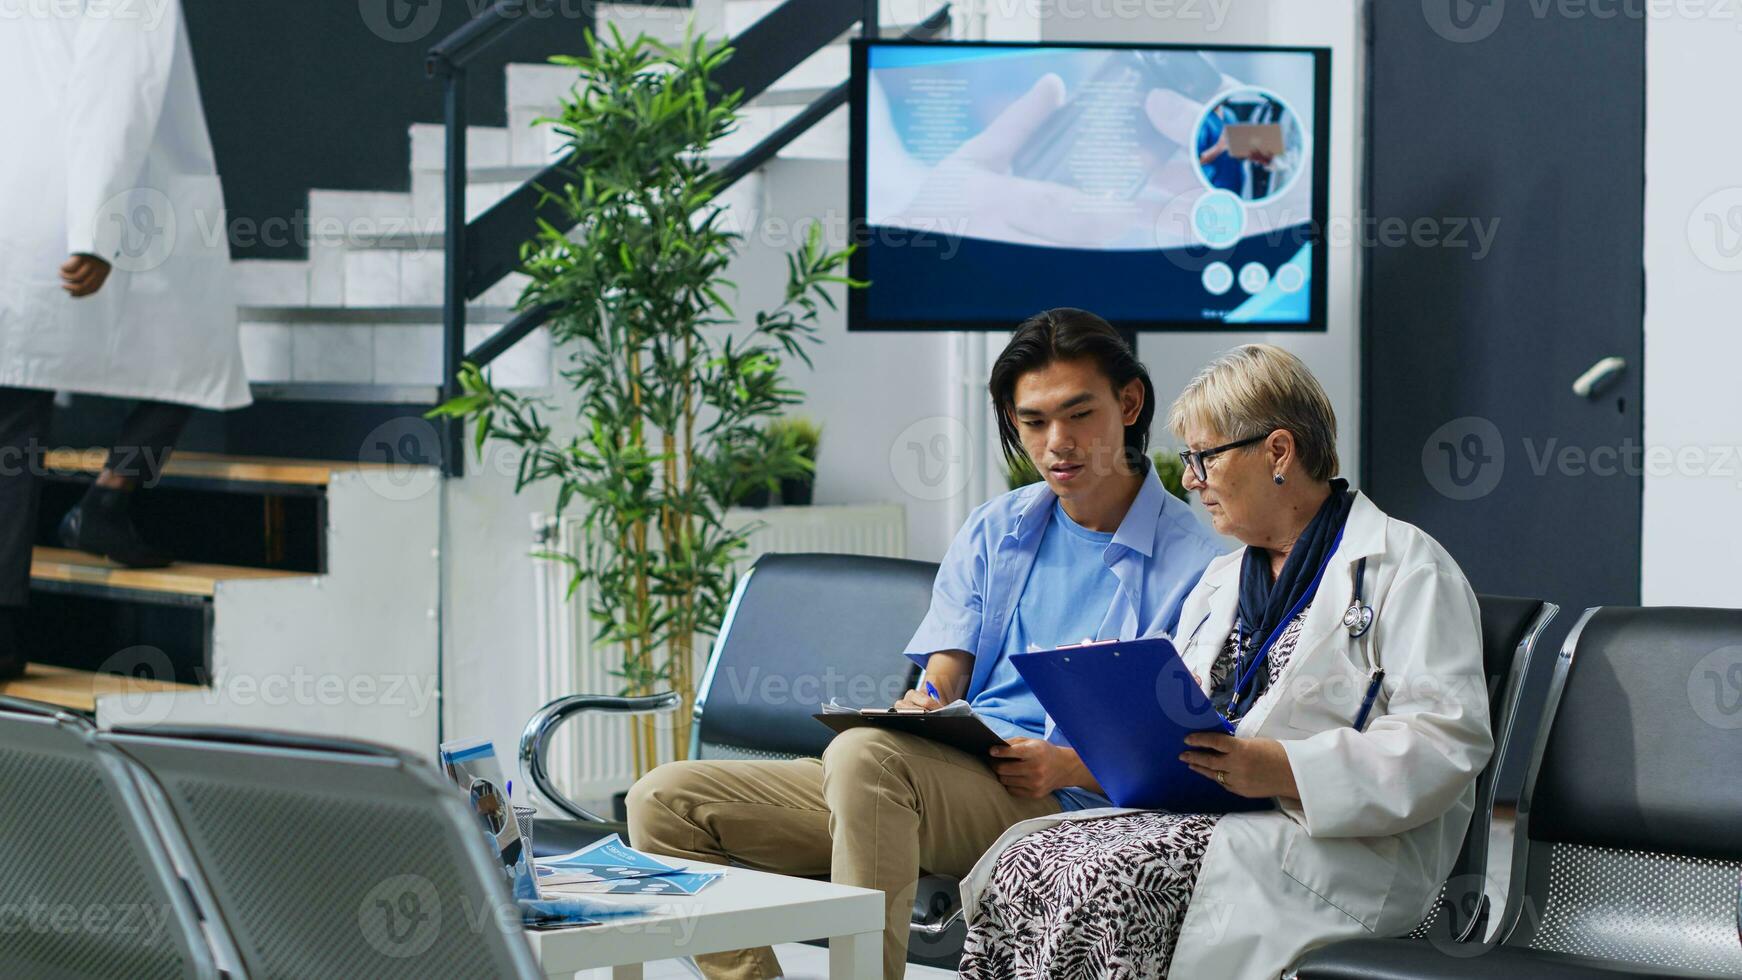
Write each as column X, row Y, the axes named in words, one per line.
column 1692, row 534
column 1334, row 356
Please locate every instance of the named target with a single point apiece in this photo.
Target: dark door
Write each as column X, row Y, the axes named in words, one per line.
column 1523, row 128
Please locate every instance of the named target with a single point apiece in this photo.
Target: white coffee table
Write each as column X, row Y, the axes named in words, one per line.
column 742, row 910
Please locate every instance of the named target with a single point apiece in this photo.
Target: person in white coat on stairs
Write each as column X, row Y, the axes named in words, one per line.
column 1346, row 647
column 114, row 264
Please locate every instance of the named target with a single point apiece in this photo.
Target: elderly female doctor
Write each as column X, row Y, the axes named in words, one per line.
column 1330, row 604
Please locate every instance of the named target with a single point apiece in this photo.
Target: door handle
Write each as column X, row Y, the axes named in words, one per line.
column 1598, row 376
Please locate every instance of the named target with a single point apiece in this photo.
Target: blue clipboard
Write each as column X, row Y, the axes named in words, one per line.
column 1126, row 706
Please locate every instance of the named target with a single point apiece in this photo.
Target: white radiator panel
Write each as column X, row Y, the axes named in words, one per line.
column 591, row 757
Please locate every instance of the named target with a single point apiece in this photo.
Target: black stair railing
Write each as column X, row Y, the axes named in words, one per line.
column 480, row 253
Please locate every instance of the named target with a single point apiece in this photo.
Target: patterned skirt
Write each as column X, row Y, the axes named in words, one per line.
column 1099, row 899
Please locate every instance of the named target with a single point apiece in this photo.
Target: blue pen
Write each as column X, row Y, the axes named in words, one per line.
column 1372, row 694
column 935, row 696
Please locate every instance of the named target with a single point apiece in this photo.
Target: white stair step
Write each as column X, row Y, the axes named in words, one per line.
column 390, row 347
column 429, row 195
column 355, row 212
column 395, row 277
column 271, row 282
column 486, row 146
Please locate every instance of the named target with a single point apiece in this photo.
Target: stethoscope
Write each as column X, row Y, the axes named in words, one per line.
column 1358, row 618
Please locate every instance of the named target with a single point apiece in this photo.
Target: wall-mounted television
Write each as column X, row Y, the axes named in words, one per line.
column 1164, row 187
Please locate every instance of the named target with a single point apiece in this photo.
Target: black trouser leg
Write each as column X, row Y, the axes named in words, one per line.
column 102, row 523
column 24, row 418
column 146, row 440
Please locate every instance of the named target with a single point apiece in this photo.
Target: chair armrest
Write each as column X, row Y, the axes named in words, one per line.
column 535, row 739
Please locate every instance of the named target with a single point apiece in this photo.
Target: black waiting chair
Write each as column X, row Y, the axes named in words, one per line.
column 94, row 888
column 808, row 626
column 1628, row 848
column 1510, row 628
column 333, row 858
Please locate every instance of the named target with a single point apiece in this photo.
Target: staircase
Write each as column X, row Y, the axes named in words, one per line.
column 309, row 598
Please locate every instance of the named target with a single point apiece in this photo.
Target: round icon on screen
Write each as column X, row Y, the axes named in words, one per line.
column 1254, row 277
column 1218, row 219
column 1250, row 143
column 1290, row 278
column 1218, row 278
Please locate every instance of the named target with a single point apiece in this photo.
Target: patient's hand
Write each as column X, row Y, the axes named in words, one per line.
column 918, row 699
column 1031, row 768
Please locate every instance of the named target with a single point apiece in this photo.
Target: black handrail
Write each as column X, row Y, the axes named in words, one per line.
column 455, row 50
column 738, row 168
column 768, row 49
column 479, row 253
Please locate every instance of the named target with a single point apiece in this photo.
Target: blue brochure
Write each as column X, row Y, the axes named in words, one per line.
column 1126, row 706
column 609, row 859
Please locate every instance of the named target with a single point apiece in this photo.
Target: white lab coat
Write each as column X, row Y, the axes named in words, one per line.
column 108, row 154
column 1383, row 812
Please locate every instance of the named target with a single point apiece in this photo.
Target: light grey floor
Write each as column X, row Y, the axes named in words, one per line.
column 801, row 962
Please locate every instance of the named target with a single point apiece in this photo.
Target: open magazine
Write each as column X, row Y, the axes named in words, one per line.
column 612, row 867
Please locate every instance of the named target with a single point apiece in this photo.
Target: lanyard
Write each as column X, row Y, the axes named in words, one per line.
column 1264, row 651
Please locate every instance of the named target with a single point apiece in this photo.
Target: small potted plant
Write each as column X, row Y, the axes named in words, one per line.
column 800, row 437
column 1172, row 473
column 1021, row 474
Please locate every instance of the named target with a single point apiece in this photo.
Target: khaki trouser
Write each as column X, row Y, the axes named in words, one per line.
column 878, row 807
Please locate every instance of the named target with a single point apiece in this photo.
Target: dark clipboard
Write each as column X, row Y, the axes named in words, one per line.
column 965, row 732
column 1126, row 706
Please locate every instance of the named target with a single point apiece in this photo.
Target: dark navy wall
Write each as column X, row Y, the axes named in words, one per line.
column 318, row 93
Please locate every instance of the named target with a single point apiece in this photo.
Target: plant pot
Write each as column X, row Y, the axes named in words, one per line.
column 797, row 492
column 756, row 498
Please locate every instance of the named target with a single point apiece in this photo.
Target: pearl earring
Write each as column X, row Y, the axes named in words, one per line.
column 1279, row 479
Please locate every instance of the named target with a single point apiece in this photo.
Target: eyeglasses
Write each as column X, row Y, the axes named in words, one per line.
column 1195, row 459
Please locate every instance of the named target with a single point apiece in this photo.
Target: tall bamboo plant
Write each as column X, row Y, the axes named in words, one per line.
column 673, row 388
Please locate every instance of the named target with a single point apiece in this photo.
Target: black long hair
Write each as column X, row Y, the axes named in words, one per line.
column 1067, row 334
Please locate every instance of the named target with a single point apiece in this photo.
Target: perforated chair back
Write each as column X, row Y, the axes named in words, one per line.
column 1510, row 629
column 88, row 884
column 336, row 859
column 801, row 629
column 1629, row 841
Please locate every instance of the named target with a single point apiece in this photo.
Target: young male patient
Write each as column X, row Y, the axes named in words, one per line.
column 1097, row 550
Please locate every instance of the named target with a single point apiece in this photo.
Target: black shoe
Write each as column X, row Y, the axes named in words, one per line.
column 101, row 525
column 11, row 649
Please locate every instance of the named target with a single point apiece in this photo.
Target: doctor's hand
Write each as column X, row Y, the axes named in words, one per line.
column 1031, row 768
column 82, row 275
column 1250, row 767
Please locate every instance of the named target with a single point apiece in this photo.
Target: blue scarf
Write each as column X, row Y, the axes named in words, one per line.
column 1264, row 604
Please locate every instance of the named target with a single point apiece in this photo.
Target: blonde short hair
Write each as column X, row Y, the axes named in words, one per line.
column 1254, row 390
